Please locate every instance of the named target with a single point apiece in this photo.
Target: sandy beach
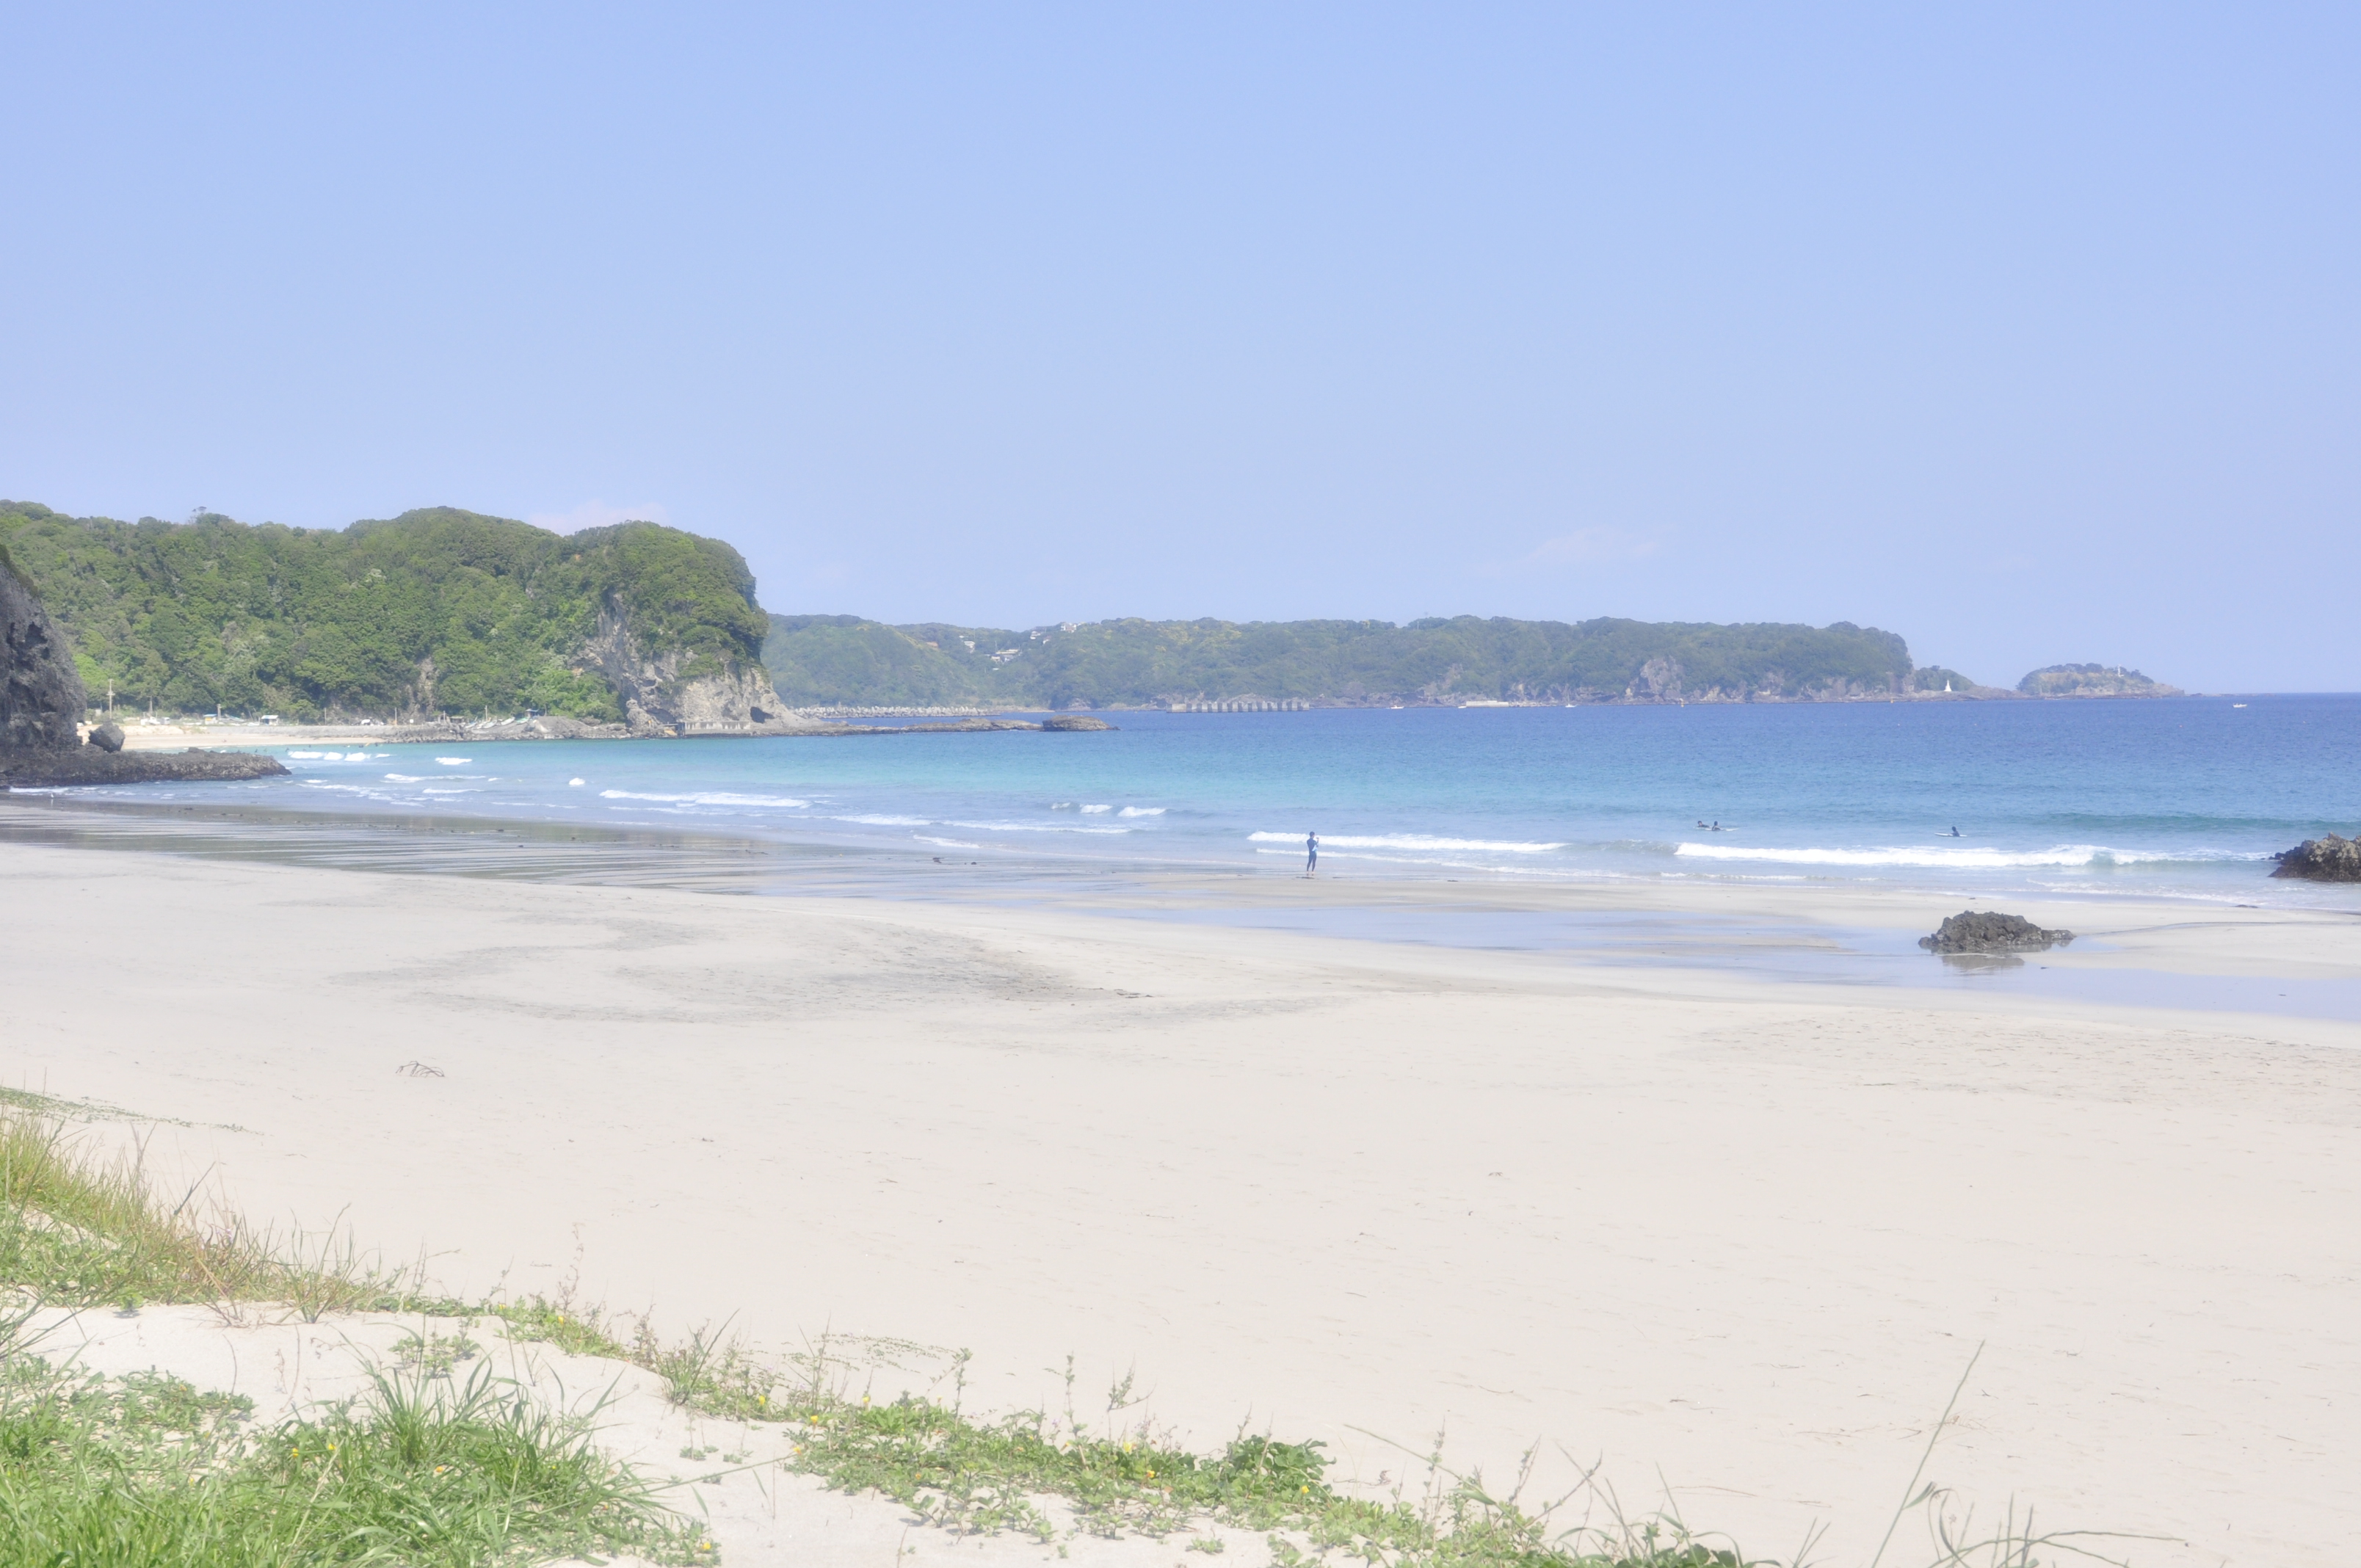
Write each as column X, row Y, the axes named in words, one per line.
column 1734, row 1234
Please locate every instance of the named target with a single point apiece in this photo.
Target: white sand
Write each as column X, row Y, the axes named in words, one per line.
column 1741, row 1232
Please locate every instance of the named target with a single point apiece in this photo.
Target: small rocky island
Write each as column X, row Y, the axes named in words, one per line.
column 42, row 704
column 2332, row 859
column 2092, row 680
column 1989, row 932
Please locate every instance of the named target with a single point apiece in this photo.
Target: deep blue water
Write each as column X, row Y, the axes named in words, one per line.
column 2186, row 796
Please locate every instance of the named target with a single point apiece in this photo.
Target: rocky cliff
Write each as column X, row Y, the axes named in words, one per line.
column 41, row 698
column 677, row 691
column 42, row 704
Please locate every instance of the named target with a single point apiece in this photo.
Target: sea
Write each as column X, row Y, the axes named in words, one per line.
column 2006, row 804
column 2179, row 798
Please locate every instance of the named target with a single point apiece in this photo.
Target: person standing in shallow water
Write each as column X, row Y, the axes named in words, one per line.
column 1310, row 854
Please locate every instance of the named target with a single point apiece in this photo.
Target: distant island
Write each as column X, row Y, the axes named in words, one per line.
column 2092, row 680
column 639, row 629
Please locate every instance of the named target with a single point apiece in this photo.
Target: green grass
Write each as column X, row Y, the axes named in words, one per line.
column 437, row 1466
column 78, row 1232
column 145, row 1472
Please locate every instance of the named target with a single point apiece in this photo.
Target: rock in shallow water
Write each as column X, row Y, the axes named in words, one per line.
column 90, row 766
column 2332, row 859
column 1989, row 932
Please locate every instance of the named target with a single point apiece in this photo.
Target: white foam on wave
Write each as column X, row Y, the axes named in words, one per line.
column 1089, row 809
column 454, row 761
column 1943, row 858
column 1436, row 861
column 403, row 778
column 1034, row 828
column 702, row 798
column 307, row 756
column 1411, row 841
column 946, row 843
column 573, row 783
column 1141, row 811
column 878, row 819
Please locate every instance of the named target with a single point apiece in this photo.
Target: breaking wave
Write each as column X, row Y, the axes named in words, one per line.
column 704, row 798
column 1932, row 858
column 1411, row 841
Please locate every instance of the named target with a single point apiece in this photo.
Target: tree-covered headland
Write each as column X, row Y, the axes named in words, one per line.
column 435, row 611
column 444, row 611
column 842, row 658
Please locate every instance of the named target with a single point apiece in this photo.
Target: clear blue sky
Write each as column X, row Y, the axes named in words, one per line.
column 2027, row 332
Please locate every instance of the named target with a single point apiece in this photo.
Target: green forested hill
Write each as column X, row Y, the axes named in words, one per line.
column 444, row 610
column 437, row 610
column 843, row 659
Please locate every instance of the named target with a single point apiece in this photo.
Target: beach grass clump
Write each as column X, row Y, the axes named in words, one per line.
column 439, row 1464
column 82, row 1231
column 1110, row 1478
column 147, row 1471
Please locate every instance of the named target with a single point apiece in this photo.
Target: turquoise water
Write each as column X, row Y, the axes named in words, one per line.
column 2184, row 797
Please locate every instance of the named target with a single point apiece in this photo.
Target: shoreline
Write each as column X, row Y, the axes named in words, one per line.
column 175, row 733
column 1829, row 932
column 1743, row 1230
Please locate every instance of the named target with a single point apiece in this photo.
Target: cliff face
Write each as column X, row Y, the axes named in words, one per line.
column 672, row 691
column 41, row 698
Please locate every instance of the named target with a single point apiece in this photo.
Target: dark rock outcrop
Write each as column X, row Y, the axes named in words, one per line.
column 1989, row 932
column 41, row 699
column 2332, row 859
column 89, row 765
column 1075, row 721
column 41, row 703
